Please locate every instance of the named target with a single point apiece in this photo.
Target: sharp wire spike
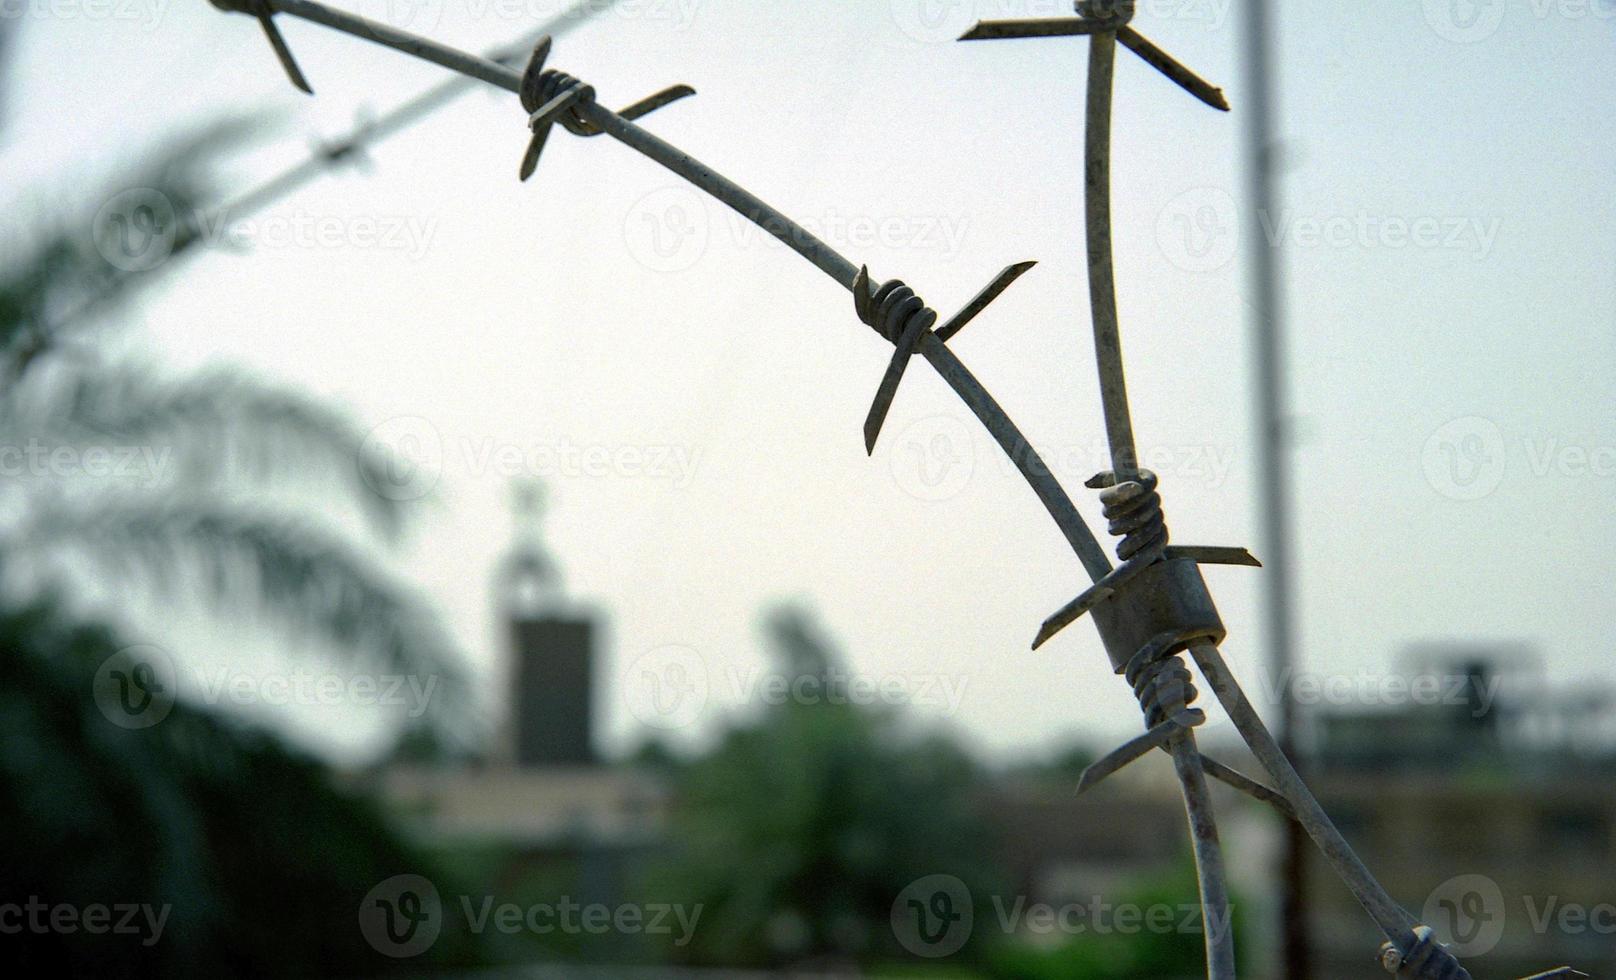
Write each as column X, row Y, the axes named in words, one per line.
column 651, row 103
column 1212, row 554
column 989, row 293
column 861, row 294
column 901, row 352
column 1138, row 746
column 993, row 30
column 905, row 346
column 1171, row 67
column 284, row 53
column 1071, row 612
column 542, row 121
column 1230, row 776
column 535, row 146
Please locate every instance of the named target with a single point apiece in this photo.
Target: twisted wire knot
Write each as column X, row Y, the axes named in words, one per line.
column 1134, row 510
column 540, row 85
column 894, row 309
column 1427, row 959
column 1163, row 685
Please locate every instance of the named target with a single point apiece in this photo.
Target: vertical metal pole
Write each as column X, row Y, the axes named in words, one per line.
column 1272, row 411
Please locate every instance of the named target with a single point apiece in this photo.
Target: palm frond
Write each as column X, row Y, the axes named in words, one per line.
column 207, row 429
column 305, row 580
column 64, row 278
column 241, row 840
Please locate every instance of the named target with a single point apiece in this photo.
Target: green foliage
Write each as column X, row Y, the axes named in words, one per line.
column 259, row 859
column 1134, row 952
column 798, row 831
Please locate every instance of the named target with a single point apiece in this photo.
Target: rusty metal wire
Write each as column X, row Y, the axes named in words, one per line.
column 1152, row 608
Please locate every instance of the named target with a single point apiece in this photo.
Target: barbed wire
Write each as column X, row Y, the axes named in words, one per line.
column 1154, row 606
column 324, row 157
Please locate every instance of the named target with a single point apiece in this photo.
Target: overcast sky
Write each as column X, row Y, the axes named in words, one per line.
column 693, row 393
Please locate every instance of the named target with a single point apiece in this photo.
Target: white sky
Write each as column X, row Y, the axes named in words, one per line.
column 1467, row 355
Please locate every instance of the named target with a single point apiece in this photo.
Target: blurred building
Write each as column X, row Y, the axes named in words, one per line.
column 1485, row 803
column 542, row 802
column 1056, row 847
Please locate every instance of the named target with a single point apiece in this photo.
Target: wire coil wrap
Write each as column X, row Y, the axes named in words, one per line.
column 1163, row 685
column 893, row 309
column 541, row 85
column 1134, row 510
column 1427, row 959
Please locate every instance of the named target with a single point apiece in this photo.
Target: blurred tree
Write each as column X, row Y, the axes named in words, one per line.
column 238, row 855
column 253, row 854
column 797, row 832
column 1123, row 947
column 169, row 484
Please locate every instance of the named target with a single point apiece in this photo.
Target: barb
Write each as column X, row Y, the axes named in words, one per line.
column 1112, row 20
column 552, row 96
column 264, row 12
column 901, row 317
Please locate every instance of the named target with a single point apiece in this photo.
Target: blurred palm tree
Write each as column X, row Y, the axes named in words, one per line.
column 239, row 855
column 173, row 487
column 239, row 840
